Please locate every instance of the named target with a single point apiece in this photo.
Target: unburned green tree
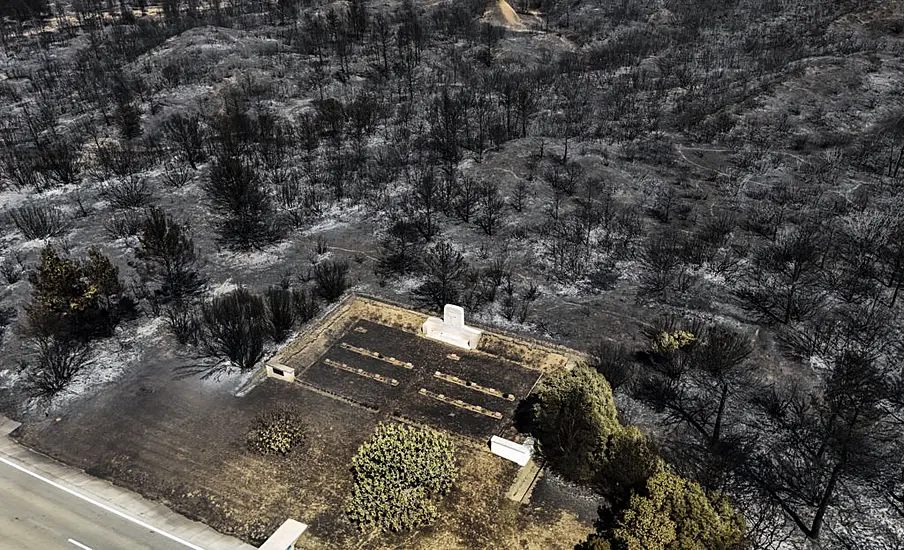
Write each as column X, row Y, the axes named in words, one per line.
column 103, row 276
column 78, row 298
column 58, row 284
column 630, row 461
column 574, row 418
column 673, row 513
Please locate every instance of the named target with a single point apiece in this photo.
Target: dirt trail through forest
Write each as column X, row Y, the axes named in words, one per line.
column 511, row 18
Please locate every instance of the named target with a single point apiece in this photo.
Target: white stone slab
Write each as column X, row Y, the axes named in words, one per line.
column 286, row 536
column 451, row 329
column 519, row 453
column 7, row 426
column 280, row 371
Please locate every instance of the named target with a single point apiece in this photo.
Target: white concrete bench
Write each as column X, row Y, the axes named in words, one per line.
column 519, row 453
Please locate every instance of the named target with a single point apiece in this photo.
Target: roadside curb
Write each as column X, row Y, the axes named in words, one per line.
column 119, row 499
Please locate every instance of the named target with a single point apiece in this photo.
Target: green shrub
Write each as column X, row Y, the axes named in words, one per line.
column 667, row 342
column 279, row 431
column 399, row 474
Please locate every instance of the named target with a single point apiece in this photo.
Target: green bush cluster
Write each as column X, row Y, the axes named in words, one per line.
column 78, row 298
column 399, row 474
column 652, row 508
column 279, row 431
column 667, row 342
column 673, row 513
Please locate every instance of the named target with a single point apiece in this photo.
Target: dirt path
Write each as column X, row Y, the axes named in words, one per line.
column 352, row 251
column 681, row 152
column 511, row 18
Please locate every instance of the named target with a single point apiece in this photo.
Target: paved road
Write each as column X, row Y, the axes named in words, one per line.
column 40, row 515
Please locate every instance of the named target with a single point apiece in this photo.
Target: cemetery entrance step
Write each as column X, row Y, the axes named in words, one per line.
column 525, row 480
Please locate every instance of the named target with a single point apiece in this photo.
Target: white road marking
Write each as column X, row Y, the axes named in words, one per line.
column 101, row 505
column 80, row 545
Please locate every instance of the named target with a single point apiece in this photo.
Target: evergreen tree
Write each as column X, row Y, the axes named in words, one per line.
column 575, row 417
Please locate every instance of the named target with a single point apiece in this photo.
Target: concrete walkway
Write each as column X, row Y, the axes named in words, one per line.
column 524, row 483
column 118, row 503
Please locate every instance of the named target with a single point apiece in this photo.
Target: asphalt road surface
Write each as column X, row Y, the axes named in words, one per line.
column 38, row 514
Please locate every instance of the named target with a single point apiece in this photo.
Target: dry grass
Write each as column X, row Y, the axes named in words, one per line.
column 532, row 355
column 479, row 517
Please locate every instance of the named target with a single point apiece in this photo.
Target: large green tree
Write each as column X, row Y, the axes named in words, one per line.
column 574, row 418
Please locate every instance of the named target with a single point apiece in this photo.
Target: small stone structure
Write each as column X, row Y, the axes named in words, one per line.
column 451, row 329
column 519, row 453
column 286, row 536
column 280, row 371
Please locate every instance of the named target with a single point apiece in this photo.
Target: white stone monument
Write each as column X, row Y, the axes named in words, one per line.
column 519, row 453
column 451, row 328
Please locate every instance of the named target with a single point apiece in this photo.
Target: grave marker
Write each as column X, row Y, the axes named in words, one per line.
column 454, row 316
column 451, row 329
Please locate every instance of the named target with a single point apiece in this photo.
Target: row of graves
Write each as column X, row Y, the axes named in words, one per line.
column 400, row 364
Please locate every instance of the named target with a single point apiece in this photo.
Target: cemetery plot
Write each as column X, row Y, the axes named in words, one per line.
column 364, row 390
column 454, row 391
column 370, row 364
column 210, row 474
column 376, row 355
column 428, row 410
column 369, row 336
column 471, row 385
column 361, row 372
column 506, row 377
column 479, row 368
column 398, row 372
column 460, row 403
